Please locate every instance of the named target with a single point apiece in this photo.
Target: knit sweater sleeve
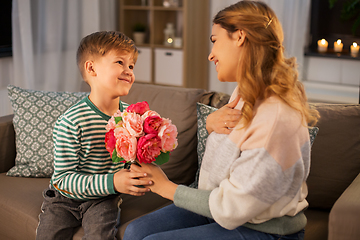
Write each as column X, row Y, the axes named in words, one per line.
column 194, row 200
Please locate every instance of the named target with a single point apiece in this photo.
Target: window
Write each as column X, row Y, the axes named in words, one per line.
column 5, row 29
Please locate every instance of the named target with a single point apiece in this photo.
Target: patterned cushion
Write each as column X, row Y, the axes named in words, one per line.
column 35, row 113
column 202, row 112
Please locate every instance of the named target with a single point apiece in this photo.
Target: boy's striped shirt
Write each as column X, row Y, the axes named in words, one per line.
column 83, row 168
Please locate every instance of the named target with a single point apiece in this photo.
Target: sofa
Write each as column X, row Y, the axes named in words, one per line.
column 333, row 183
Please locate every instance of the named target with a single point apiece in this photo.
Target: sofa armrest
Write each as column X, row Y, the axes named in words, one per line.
column 7, row 146
column 345, row 215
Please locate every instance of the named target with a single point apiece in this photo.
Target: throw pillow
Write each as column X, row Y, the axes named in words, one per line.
column 202, row 112
column 35, row 114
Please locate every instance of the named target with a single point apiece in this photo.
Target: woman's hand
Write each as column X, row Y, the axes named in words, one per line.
column 223, row 120
column 126, row 181
column 161, row 184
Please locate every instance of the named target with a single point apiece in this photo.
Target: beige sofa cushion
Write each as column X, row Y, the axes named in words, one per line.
column 179, row 105
column 335, row 157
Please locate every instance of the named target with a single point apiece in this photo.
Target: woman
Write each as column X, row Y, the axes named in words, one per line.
column 252, row 181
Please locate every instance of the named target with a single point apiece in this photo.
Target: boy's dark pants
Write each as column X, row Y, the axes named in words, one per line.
column 61, row 216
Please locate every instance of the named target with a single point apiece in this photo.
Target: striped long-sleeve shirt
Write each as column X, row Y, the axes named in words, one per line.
column 255, row 176
column 83, row 168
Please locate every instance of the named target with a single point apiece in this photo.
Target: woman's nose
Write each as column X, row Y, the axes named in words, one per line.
column 211, row 57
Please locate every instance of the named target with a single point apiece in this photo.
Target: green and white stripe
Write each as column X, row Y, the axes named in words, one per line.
column 83, row 168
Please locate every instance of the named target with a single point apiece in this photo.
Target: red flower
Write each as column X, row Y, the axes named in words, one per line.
column 152, row 124
column 110, row 141
column 148, row 148
column 139, row 108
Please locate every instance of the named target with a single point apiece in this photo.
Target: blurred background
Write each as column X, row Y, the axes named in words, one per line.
column 39, row 40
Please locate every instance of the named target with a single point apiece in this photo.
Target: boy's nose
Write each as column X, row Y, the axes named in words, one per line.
column 128, row 71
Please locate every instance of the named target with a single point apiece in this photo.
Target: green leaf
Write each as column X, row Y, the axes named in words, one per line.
column 115, row 157
column 118, row 119
column 162, row 158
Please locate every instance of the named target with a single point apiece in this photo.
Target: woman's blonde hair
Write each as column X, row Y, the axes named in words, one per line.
column 263, row 69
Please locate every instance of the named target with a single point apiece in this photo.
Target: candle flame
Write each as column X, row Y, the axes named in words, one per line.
column 354, row 44
column 323, row 41
column 338, row 41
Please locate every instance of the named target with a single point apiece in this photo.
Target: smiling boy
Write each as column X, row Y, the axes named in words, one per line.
column 85, row 186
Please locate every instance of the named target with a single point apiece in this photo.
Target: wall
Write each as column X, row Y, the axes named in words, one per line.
column 332, row 80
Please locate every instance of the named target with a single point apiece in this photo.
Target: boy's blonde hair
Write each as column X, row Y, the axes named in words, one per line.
column 263, row 69
column 100, row 43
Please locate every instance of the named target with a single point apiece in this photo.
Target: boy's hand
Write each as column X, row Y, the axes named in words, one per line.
column 161, row 184
column 125, row 181
column 224, row 119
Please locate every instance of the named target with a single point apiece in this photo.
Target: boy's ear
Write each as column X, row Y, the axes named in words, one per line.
column 89, row 68
column 240, row 35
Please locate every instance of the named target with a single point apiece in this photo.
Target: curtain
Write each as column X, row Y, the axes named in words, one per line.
column 294, row 17
column 46, row 35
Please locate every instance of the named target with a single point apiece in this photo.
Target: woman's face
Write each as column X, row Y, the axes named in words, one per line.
column 225, row 52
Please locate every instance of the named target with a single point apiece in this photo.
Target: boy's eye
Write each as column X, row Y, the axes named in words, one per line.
column 131, row 67
column 120, row 62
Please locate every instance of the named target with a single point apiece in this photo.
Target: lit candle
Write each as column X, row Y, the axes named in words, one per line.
column 338, row 46
column 322, row 45
column 354, row 49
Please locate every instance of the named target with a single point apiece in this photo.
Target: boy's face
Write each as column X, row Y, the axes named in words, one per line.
column 114, row 73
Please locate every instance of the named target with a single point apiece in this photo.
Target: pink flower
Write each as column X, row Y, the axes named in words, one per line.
column 149, row 113
column 125, row 144
column 140, row 133
column 110, row 141
column 111, row 123
column 168, row 133
column 148, row 148
column 133, row 123
column 139, row 108
column 152, row 124
column 117, row 113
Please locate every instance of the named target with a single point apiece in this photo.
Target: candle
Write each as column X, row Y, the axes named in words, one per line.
column 338, row 46
column 322, row 45
column 354, row 49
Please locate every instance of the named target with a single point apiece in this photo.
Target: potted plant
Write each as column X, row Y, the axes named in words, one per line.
column 139, row 33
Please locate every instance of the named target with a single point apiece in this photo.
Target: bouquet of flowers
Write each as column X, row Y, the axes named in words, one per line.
column 140, row 133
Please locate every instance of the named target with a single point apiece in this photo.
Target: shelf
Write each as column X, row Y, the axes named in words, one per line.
column 331, row 54
column 188, row 66
column 134, row 7
column 158, row 8
column 165, row 47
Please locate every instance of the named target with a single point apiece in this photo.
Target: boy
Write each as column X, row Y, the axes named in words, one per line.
column 85, row 184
